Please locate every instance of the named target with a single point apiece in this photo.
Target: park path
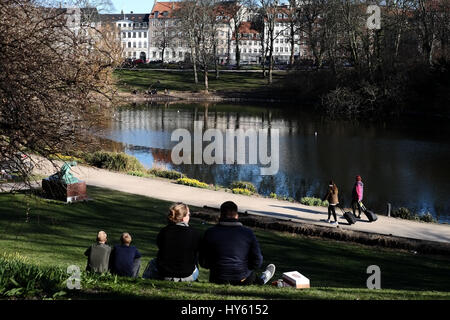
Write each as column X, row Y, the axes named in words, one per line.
column 168, row 190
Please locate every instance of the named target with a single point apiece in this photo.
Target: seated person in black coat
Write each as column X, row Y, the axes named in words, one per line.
column 178, row 246
column 231, row 251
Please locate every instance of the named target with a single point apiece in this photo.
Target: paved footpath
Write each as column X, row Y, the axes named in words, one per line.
column 168, row 190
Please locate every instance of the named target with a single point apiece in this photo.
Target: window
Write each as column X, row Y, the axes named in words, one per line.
column 134, row 34
column 140, row 35
column 129, row 44
column 276, row 41
column 180, row 54
column 120, row 25
column 276, row 49
column 145, row 44
column 134, row 44
column 124, row 34
column 129, row 34
column 154, row 54
column 174, row 54
column 280, row 16
column 140, row 44
column 145, row 34
column 134, row 54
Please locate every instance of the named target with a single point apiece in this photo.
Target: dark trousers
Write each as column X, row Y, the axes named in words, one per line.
column 251, row 279
column 332, row 210
column 355, row 204
column 136, row 267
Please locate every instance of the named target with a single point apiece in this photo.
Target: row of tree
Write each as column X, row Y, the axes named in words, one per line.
column 333, row 32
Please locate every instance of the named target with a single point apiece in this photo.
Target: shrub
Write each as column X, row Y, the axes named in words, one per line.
column 427, row 217
column 168, row 174
column 192, row 183
column 243, row 185
column 117, row 161
column 273, row 195
column 242, row 191
column 311, row 201
column 137, row 173
column 403, row 213
column 20, row 278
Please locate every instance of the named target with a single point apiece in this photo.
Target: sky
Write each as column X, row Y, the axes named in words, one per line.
column 137, row 6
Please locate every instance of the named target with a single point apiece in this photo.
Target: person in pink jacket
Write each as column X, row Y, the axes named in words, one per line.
column 357, row 195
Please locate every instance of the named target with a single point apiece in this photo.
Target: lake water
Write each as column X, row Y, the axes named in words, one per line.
column 403, row 162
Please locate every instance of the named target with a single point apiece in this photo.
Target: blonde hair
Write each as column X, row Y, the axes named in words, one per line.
column 125, row 238
column 177, row 212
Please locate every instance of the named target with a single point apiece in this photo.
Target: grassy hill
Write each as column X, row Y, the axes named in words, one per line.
column 52, row 236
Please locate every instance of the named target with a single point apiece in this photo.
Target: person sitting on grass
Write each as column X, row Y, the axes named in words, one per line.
column 178, row 246
column 125, row 259
column 231, row 251
column 98, row 254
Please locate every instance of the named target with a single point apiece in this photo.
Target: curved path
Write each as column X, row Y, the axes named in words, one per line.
column 168, row 190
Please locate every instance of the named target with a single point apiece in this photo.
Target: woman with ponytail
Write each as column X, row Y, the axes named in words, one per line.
column 178, row 246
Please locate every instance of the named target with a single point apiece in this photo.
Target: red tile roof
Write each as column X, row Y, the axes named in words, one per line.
column 161, row 7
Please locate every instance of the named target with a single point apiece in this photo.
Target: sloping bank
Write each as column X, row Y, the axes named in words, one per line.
column 286, row 225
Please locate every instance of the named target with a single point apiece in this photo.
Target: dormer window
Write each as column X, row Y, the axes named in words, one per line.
column 156, row 14
column 165, row 13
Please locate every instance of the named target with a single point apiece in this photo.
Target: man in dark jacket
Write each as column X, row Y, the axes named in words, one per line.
column 231, row 251
column 125, row 259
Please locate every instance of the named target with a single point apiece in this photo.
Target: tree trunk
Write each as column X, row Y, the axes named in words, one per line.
column 205, row 71
column 194, row 64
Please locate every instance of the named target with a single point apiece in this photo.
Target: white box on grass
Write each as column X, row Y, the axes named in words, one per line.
column 296, row 279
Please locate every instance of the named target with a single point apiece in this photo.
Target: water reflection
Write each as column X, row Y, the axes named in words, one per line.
column 403, row 163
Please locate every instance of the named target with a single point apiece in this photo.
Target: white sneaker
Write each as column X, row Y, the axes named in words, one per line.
column 328, row 220
column 268, row 274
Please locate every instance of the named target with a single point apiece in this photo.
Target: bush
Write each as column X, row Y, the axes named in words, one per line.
column 311, row 201
column 192, row 183
column 20, row 278
column 427, row 218
column 243, row 185
column 402, row 213
column 137, row 173
column 117, row 161
column 168, row 174
column 242, row 191
column 405, row 213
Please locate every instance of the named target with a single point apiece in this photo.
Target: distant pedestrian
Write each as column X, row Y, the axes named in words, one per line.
column 333, row 201
column 98, row 254
column 125, row 259
column 357, row 195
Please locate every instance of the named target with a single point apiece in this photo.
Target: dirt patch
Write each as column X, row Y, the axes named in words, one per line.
column 367, row 238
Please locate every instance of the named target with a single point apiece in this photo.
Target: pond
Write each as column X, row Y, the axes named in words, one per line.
column 405, row 163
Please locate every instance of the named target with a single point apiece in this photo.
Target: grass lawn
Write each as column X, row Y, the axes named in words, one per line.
column 184, row 81
column 54, row 234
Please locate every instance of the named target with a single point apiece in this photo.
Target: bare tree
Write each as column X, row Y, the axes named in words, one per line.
column 56, row 84
column 187, row 14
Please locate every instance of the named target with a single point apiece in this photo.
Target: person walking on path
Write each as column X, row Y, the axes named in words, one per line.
column 357, row 195
column 333, row 200
column 231, row 251
column 178, row 247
